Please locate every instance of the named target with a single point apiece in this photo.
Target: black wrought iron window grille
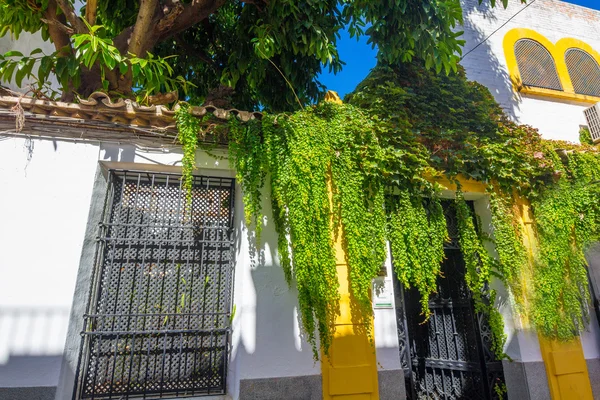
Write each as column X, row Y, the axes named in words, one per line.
column 158, row 319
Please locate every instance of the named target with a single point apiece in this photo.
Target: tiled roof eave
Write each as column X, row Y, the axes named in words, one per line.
column 99, row 118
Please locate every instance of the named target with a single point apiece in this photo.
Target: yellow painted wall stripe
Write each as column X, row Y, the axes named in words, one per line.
column 350, row 371
column 566, row 369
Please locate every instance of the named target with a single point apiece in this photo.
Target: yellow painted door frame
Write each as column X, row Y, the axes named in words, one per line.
column 350, row 370
column 566, row 368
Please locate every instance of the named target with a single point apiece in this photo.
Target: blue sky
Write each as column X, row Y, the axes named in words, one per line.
column 360, row 58
column 586, row 3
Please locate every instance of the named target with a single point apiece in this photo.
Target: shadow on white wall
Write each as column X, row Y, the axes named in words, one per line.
column 31, row 345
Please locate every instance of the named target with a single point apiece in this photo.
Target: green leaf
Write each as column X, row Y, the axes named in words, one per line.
column 8, row 71
column 123, row 67
column 46, row 65
column 13, row 53
column 109, row 61
column 79, row 39
column 20, row 73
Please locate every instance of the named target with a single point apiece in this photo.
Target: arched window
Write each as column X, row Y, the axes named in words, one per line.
column 584, row 72
column 536, row 65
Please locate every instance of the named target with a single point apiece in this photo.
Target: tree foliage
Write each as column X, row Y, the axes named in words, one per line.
column 257, row 48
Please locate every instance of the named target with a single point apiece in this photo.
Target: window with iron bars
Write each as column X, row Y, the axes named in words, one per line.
column 584, row 72
column 536, row 65
column 158, row 319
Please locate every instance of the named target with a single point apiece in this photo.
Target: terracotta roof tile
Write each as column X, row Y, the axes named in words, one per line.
column 98, row 112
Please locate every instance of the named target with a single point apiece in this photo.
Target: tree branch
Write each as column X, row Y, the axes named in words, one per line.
column 169, row 17
column 121, row 41
column 91, row 10
column 60, row 37
column 155, row 24
column 176, row 18
column 70, row 15
column 141, row 34
column 58, row 31
column 192, row 13
column 58, row 25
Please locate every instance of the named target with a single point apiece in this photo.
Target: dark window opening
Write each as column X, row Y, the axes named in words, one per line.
column 158, row 319
column 584, row 72
column 536, row 65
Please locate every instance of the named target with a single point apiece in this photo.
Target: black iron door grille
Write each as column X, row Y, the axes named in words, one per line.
column 158, row 319
column 449, row 357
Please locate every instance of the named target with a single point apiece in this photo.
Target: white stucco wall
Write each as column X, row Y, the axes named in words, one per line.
column 385, row 325
column 45, row 190
column 25, row 44
column 43, row 223
column 555, row 20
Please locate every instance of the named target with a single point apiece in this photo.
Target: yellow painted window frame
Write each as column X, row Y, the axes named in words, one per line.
column 557, row 51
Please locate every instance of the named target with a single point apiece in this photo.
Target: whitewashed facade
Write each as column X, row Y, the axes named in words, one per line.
column 47, row 186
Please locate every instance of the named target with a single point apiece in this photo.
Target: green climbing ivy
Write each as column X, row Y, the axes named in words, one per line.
column 189, row 129
column 246, row 148
column 567, row 222
column 362, row 172
column 300, row 167
column 585, row 137
column 311, row 154
column 510, row 247
column 479, row 268
column 417, row 232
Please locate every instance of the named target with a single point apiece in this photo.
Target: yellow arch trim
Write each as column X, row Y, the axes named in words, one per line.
column 557, row 51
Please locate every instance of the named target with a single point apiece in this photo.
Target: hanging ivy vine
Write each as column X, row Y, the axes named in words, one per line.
column 567, row 222
column 246, row 147
column 361, row 173
column 509, row 243
column 479, row 268
column 417, row 234
column 189, row 129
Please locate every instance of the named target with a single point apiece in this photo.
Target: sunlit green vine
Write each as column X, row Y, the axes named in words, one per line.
column 300, row 191
column 362, row 173
column 189, row 128
column 509, row 242
column 585, row 136
column 358, row 202
column 567, row 222
column 478, row 272
column 246, row 149
column 417, row 235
